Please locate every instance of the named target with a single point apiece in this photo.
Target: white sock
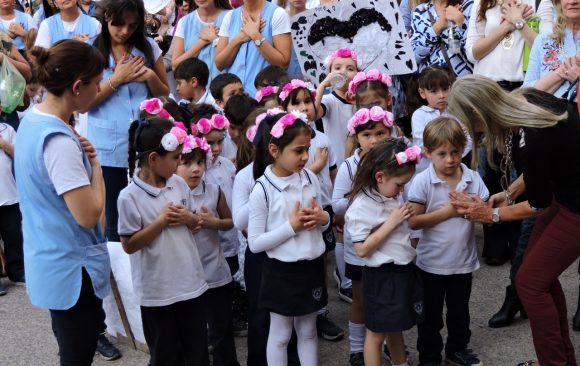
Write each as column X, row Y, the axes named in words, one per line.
column 356, row 336
column 340, row 265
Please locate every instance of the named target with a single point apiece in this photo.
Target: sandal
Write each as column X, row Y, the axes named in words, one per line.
column 527, row 363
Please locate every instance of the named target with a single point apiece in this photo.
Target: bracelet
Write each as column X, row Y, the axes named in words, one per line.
column 111, row 84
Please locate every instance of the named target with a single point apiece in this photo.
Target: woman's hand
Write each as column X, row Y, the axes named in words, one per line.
column 209, row 33
column 128, row 71
column 455, row 14
column 252, row 27
column 16, row 30
column 569, row 69
column 81, row 37
column 498, row 200
column 514, row 10
column 471, row 207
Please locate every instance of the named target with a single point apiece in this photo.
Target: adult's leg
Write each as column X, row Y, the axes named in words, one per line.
column 280, row 332
column 11, row 233
column 221, row 334
column 457, row 294
column 115, row 180
column 191, row 328
column 429, row 340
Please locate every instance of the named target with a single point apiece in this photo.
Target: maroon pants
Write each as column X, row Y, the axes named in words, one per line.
column 554, row 245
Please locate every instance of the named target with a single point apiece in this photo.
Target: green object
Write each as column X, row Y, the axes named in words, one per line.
column 534, row 24
column 12, row 86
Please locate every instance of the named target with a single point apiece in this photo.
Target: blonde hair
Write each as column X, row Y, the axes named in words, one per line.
column 475, row 99
column 443, row 130
column 559, row 24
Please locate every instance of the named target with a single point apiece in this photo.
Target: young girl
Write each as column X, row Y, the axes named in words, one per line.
column 286, row 221
column 208, row 202
column 376, row 223
column 155, row 226
column 368, row 127
column 267, row 96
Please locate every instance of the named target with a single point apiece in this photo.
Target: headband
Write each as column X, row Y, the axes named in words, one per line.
column 191, row 143
column 342, row 53
column 364, row 115
column 371, row 75
column 251, row 132
column 412, row 153
column 154, row 106
column 216, row 122
column 296, row 84
column 266, row 92
column 286, row 121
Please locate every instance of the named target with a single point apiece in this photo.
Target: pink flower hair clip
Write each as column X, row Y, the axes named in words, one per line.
column 216, row 122
column 342, row 53
column 412, row 153
column 288, row 120
column 154, row 106
column 371, row 75
column 251, row 132
column 364, row 115
column 191, row 143
column 172, row 139
column 266, row 92
column 296, row 84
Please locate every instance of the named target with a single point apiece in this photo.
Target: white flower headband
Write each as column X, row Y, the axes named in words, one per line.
column 191, row 143
column 286, row 121
column 296, row 84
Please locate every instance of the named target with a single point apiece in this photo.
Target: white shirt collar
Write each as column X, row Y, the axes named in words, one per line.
column 280, row 184
column 149, row 189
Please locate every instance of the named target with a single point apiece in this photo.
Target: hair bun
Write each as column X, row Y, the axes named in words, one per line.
column 41, row 54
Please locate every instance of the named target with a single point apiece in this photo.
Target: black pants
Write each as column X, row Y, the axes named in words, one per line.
column 454, row 291
column 258, row 317
column 219, row 318
column 77, row 328
column 115, row 180
column 11, row 233
column 176, row 334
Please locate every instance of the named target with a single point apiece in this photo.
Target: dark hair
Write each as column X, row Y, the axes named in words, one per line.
column 484, row 6
column 192, row 68
column 238, row 108
column 199, row 111
column 262, row 157
column 194, row 155
column 145, row 138
column 368, row 86
column 220, row 4
column 543, row 100
column 67, row 61
column 293, row 96
column 271, row 75
column 433, row 77
column 117, row 11
column 218, row 84
column 380, row 158
column 48, row 9
column 246, row 149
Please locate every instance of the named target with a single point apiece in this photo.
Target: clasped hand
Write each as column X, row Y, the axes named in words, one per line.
column 308, row 218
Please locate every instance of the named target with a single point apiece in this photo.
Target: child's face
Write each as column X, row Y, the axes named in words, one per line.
column 235, row 134
column 229, row 90
column 345, row 66
column 215, row 139
column 303, row 103
column 392, row 186
column 293, row 157
column 32, row 89
column 192, row 171
column 185, row 88
column 298, row 4
column 367, row 139
column 271, row 103
column 446, row 159
column 164, row 166
column 370, row 99
column 436, row 99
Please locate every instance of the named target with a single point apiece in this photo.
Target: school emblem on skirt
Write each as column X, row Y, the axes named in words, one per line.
column 317, row 293
column 418, row 307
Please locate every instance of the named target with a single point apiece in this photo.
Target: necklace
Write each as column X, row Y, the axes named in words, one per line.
column 506, row 167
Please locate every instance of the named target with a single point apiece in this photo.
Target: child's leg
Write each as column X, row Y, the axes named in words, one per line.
column 307, row 339
column 11, row 233
column 429, row 341
column 396, row 344
column 373, row 346
column 221, row 334
column 356, row 324
column 278, row 338
column 160, row 333
column 190, row 322
column 457, row 300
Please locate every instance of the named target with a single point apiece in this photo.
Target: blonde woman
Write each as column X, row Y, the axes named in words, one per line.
column 549, row 156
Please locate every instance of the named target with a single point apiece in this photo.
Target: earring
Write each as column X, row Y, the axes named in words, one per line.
column 78, row 93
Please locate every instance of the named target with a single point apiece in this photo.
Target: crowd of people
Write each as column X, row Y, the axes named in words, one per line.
column 187, row 133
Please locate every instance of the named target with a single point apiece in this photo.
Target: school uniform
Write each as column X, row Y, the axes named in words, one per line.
column 168, row 277
column 293, row 273
column 446, row 257
column 337, row 111
column 54, row 29
column 391, row 288
column 25, row 21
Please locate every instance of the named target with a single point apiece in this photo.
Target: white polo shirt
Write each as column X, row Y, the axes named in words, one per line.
column 370, row 210
column 449, row 247
column 321, row 140
column 271, row 204
column 337, row 112
column 243, row 184
column 168, row 270
column 217, row 270
column 8, row 194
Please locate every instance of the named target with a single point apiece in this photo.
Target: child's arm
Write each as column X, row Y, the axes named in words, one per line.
column 321, row 157
column 374, row 240
column 224, row 220
column 7, row 147
column 421, row 220
column 320, row 93
column 145, row 236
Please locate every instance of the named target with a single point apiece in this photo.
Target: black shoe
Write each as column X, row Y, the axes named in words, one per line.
column 495, row 261
column 327, row 329
column 3, row 290
column 509, row 309
column 357, row 359
column 464, row 358
column 106, row 349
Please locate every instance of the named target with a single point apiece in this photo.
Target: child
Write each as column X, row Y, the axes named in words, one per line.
column 446, row 254
column 271, row 75
column 367, row 132
column 286, row 222
column 191, row 77
column 376, row 223
column 224, row 86
column 16, row 24
column 207, row 201
column 155, row 228
column 297, row 96
column 237, row 108
column 267, row 96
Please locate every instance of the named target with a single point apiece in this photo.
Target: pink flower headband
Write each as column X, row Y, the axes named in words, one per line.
column 371, row 75
column 412, row 153
column 364, row 115
column 296, row 84
column 191, row 143
column 286, row 121
column 251, row 132
column 154, row 106
column 342, row 53
column 266, row 92
column 217, row 122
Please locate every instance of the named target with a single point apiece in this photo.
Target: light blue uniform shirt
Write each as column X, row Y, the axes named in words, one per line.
column 86, row 25
column 21, row 18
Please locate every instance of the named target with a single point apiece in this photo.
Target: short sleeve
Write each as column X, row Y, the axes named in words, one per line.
column 9, row 134
column 358, row 222
column 418, row 190
column 97, row 25
column 180, row 29
column 130, row 220
column 64, row 162
column 280, row 22
column 331, row 156
column 225, row 27
column 482, row 190
column 43, row 38
column 31, row 23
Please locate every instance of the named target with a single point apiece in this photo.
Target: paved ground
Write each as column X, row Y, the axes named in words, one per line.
column 26, row 337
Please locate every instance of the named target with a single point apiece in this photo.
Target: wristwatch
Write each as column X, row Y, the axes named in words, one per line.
column 258, row 42
column 495, row 215
column 519, row 24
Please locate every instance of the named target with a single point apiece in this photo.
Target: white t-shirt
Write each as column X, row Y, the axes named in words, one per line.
column 337, row 113
column 44, row 39
column 8, row 194
column 29, row 20
column 280, row 23
column 448, row 247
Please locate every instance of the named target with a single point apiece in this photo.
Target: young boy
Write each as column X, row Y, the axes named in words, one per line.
column 223, row 87
column 446, row 254
column 237, row 108
column 191, row 77
column 271, row 76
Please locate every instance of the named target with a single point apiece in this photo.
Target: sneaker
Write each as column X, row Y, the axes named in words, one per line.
column 240, row 328
column 345, row 294
column 327, row 329
column 464, row 358
column 106, row 349
column 357, row 359
column 3, row 290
